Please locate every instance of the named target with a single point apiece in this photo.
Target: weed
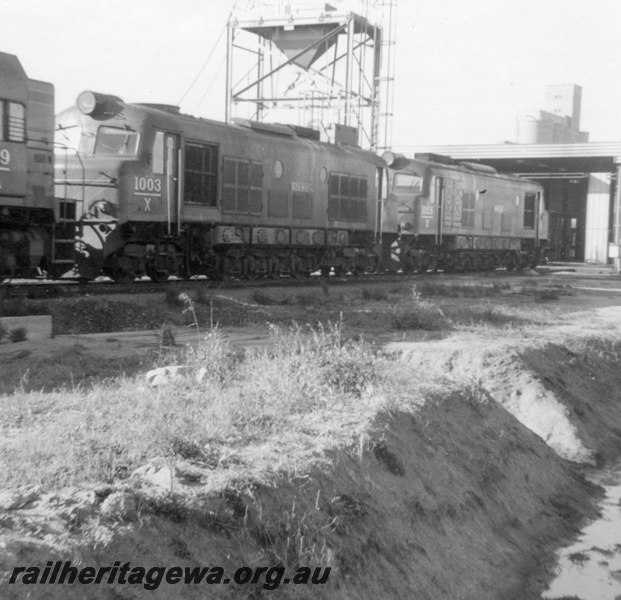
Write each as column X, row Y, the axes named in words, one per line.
column 3, row 331
column 578, row 558
column 420, row 314
column 189, row 309
column 166, row 337
column 18, row 334
column 213, row 360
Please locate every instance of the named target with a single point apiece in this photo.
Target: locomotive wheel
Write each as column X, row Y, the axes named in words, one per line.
column 122, row 276
column 510, row 262
column 157, row 276
column 273, row 268
column 460, row 263
column 249, row 268
column 489, row 262
column 449, row 263
column 372, row 263
column 212, row 267
column 434, row 264
column 521, row 262
column 467, row 264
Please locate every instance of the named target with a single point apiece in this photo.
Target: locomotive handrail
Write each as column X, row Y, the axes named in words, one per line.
column 86, row 183
column 65, row 183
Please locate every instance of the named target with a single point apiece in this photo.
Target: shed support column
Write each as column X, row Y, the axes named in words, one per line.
column 597, row 226
column 616, row 228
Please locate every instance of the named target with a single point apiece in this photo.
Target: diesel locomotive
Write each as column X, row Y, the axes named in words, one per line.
column 141, row 189
column 463, row 217
column 36, row 234
column 161, row 193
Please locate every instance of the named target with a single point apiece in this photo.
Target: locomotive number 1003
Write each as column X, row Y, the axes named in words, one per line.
column 147, row 184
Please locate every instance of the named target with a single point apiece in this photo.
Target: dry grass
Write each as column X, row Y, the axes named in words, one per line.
column 274, row 410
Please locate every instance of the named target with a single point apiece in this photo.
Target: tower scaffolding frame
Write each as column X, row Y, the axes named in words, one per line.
column 297, row 57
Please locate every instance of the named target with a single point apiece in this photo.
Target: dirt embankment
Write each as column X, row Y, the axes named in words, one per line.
column 456, row 499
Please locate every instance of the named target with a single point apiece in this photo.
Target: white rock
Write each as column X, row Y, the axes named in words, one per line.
column 164, row 375
column 156, row 471
column 120, row 506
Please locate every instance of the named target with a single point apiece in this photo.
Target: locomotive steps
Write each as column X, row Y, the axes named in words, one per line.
column 448, row 466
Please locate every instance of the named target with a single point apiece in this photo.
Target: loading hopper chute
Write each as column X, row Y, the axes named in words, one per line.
column 292, row 43
column 317, row 38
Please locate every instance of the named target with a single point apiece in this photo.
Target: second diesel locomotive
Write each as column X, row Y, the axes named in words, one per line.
column 161, row 193
column 463, row 217
column 37, row 232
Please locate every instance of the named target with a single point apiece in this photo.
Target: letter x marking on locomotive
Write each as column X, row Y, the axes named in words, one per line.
column 147, row 205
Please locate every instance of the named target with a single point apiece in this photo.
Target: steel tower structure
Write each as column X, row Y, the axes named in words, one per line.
column 329, row 66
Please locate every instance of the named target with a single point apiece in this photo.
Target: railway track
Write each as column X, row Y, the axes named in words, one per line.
column 40, row 290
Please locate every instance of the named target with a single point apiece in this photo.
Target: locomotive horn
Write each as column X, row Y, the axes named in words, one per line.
column 394, row 160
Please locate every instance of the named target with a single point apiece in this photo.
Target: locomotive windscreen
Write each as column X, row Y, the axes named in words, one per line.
column 112, row 140
column 406, row 182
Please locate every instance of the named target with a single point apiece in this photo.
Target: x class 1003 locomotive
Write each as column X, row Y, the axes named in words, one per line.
column 161, row 193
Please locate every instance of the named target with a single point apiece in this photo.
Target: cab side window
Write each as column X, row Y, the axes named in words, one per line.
column 12, row 121
column 201, row 173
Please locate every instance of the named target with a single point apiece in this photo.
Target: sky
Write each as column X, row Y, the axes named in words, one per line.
column 464, row 70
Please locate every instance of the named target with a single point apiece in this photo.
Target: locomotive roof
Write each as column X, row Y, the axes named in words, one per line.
column 294, row 132
column 13, row 79
column 421, row 164
column 171, row 114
